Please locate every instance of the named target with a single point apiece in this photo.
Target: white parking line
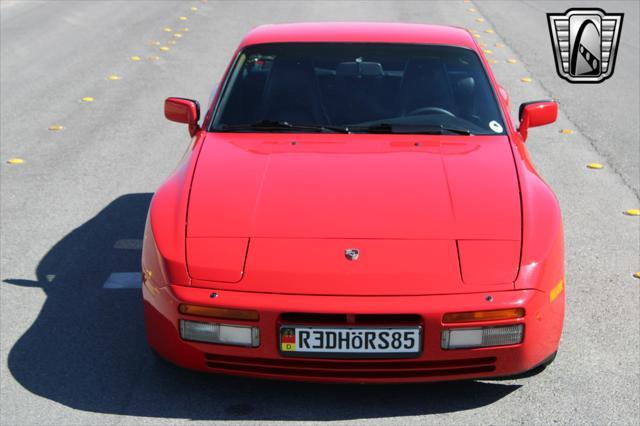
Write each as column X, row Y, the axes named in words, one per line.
column 123, row 280
column 128, row 244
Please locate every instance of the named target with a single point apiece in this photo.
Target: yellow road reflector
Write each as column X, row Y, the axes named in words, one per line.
column 473, row 31
column 632, row 212
column 499, row 45
column 114, row 77
column 177, row 35
column 135, row 58
column 489, row 31
column 87, row 99
column 153, row 57
column 488, row 51
column 472, row 9
column 526, row 79
column 56, row 127
column 164, row 48
column 183, row 18
column 476, row 35
column 15, row 161
column 167, row 30
column 492, row 61
column 595, row 166
column 184, row 30
column 171, row 42
column 511, row 61
column 566, row 131
column 480, row 19
column 194, row 9
column 155, row 42
column 636, row 275
column 556, row 290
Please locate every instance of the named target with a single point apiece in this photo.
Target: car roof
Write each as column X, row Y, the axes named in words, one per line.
column 360, row 32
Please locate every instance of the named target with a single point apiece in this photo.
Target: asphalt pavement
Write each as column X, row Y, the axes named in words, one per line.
column 72, row 214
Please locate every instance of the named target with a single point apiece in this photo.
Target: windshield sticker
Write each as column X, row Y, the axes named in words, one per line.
column 495, row 126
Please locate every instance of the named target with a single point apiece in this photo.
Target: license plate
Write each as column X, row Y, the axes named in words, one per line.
column 351, row 342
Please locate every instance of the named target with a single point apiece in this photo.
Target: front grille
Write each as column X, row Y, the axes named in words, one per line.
column 351, row 319
column 314, row 368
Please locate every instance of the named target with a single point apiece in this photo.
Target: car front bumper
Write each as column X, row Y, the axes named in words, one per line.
column 542, row 329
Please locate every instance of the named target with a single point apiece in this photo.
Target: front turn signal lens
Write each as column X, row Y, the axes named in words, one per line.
column 214, row 312
column 475, row 316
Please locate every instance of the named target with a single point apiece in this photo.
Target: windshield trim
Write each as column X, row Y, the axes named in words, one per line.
column 241, row 52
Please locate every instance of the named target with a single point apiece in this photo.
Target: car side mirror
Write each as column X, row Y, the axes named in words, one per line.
column 183, row 111
column 536, row 113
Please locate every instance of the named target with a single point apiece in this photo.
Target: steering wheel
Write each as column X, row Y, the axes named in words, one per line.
column 431, row 110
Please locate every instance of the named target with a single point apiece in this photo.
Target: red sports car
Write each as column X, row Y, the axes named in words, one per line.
column 356, row 206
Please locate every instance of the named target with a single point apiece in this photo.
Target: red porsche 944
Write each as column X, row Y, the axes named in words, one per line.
column 356, row 205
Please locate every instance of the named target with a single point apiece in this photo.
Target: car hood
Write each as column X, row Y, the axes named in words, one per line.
column 355, row 186
column 258, row 192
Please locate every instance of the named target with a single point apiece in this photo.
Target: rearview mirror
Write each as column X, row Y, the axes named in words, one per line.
column 183, row 111
column 536, row 113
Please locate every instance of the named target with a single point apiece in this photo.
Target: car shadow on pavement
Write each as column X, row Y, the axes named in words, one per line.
column 87, row 349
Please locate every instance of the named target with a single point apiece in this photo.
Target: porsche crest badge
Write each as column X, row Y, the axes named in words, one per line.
column 352, row 254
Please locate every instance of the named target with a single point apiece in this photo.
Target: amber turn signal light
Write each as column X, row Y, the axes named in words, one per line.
column 213, row 312
column 475, row 316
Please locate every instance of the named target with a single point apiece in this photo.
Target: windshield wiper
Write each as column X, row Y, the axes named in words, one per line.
column 416, row 129
column 282, row 125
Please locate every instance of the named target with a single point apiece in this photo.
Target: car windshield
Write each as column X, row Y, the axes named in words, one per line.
column 358, row 87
